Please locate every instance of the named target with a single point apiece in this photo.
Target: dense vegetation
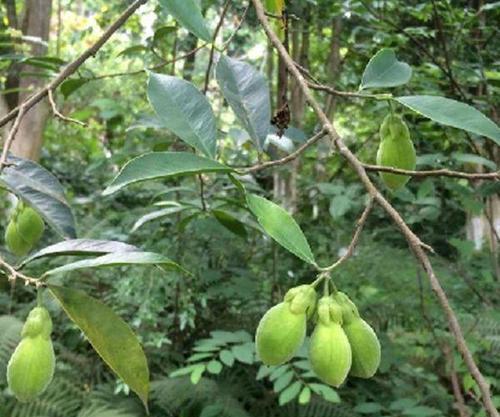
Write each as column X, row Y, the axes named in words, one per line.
column 207, row 268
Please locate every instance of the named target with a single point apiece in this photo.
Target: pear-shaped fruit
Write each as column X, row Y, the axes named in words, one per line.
column 30, row 225
column 365, row 347
column 15, row 243
column 282, row 329
column 329, row 349
column 395, row 150
column 31, row 367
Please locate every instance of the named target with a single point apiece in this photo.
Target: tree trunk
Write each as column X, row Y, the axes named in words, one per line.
column 28, row 141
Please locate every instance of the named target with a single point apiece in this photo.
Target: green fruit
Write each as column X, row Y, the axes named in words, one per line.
column 365, row 348
column 329, row 349
column 281, row 331
column 30, row 225
column 365, row 345
column 15, row 243
column 31, row 366
column 395, row 150
column 280, row 334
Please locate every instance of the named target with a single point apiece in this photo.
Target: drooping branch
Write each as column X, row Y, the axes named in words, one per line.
column 414, row 242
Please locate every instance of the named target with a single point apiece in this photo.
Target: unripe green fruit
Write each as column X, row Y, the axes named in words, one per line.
column 365, row 345
column 30, row 225
column 15, row 243
column 280, row 334
column 330, row 353
column 329, row 349
column 395, row 150
column 365, row 348
column 31, row 367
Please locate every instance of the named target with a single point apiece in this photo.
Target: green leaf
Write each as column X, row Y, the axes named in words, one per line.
column 290, row 393
column 68, row 87
column 244, row 353
column 247, row 92
column 384, row 70
column 264, row 371
column 188, row 14
column 199, row 356
column 158, row 214
column 156, row 165
column 197, row 373
column 305, row 396
column 230, row 222
column 109, row 335
column 226, row 357
column 184, row 110
column 368, row 408
column 183, row 371
column 42, row 191
column 281, row 226
column 283, row 381
column 119, row 258
column 469, row 158
column 452, row 113
column 339, row 205
column 421, row 411
column 328, row 393
column 81, row 247
column 214, row 367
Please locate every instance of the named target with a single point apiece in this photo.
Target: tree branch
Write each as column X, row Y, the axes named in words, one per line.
column 414, row 242
column 495, row 176
column 311, row 141
column 355, row 238
column 74, row 65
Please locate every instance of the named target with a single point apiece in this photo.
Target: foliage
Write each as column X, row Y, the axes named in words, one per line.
column 178, row 243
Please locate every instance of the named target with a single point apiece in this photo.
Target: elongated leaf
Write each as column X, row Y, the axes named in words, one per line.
column 109, row 335
column 469, row 158
column 188, row 14
column 384, row 70
column 230, row 222
column 114, row 259
column 281, row 226
column 247, row 92
column 82, row 247
column 158, row 214
column 42, row 191
column 183, row 110
column 290, row 393
column 151, row 166
column 449, row 112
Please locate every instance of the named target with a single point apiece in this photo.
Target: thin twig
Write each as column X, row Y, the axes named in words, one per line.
column 333, row 91
column 58, row 114
column 355, row 238
column 10, row 138
column 152, row 68
column 13, row 274
column 212, row 49
column 74, row 65
column 242, row 19
column 413, row 240
column 311, row 141
column 495, row 176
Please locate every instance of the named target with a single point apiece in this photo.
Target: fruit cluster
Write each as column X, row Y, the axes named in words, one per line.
column 31, row 366
column 24, row 230
column 342, row 343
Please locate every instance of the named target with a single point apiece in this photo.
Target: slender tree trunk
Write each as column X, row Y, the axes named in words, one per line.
column 36, row 23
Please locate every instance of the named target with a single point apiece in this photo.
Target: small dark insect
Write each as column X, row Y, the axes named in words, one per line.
column 281, row 119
